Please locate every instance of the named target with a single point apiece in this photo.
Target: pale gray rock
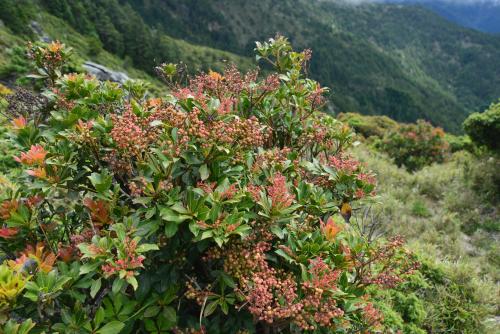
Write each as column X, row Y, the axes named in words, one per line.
column 38, row 30
column 105, row 74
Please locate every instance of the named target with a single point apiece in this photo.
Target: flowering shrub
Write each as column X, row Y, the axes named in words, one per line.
column 216, row 209
column 415, row 145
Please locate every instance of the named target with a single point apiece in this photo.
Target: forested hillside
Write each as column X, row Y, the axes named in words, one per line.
column 361, row 52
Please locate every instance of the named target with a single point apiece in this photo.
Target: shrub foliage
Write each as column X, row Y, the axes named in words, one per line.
column 484, row 128
column 222, row 208
column 368, row 126
column 415, row 145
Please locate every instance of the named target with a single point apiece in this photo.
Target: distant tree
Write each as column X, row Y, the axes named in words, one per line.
column 484, row 128
column 16, row 15
column 60, row 8
column 94, row 45
column 110, row 36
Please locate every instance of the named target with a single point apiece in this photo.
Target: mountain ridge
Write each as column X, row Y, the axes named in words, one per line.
column 402, row 61
column 479, row 15
column 384, row 31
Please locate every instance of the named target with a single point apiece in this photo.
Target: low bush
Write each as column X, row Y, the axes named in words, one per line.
column 368, row 126
column 459, row 143
column 435, row 300
column 485, row 178
column 484, row 128
column 415, row 145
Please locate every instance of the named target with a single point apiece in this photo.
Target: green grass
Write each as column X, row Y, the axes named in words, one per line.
column 451, row 227
column 435, row 207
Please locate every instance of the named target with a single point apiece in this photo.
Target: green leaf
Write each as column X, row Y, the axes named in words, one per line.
column 99, row 316
column 95, row 287
column 206, row 235
column 224, row 307
column 101, row 181
column 278, row 231
column 169, row 215
column 228, row 280
column 304, row 272
column 113, row 327
column 171, row 229
column 219, row 241
column 31, row 295
column 210, row 308
column 117, row 285
column 177, row 207
column 88, row 267
column 204, row 173
column 194, row 228
column 26, row 326
column 283, row 254
column 169, row 314
column 146, row 248
column 151, row 311
column 132, row 281
column 120, row 231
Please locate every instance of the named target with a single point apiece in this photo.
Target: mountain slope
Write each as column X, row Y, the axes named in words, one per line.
column 402, row 61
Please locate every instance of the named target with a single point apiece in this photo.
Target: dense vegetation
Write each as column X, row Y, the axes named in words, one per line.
column 234, row 217
column 226, row 190
column 360, row 50
column 124, row 208
column 484, row 128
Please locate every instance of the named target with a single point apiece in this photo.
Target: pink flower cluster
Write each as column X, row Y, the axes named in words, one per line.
column 343, row 164
column 129, row 134
column 317, row 98
column 321, row 137
column 367, row 178
column 273, row 296
column 323, row 277
column 322, row 307
column 207, row 188
column 242, row 133
column 231, row 83
column 254, row 192
column 278, row 192
column 230, row 192
column 372, row 316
